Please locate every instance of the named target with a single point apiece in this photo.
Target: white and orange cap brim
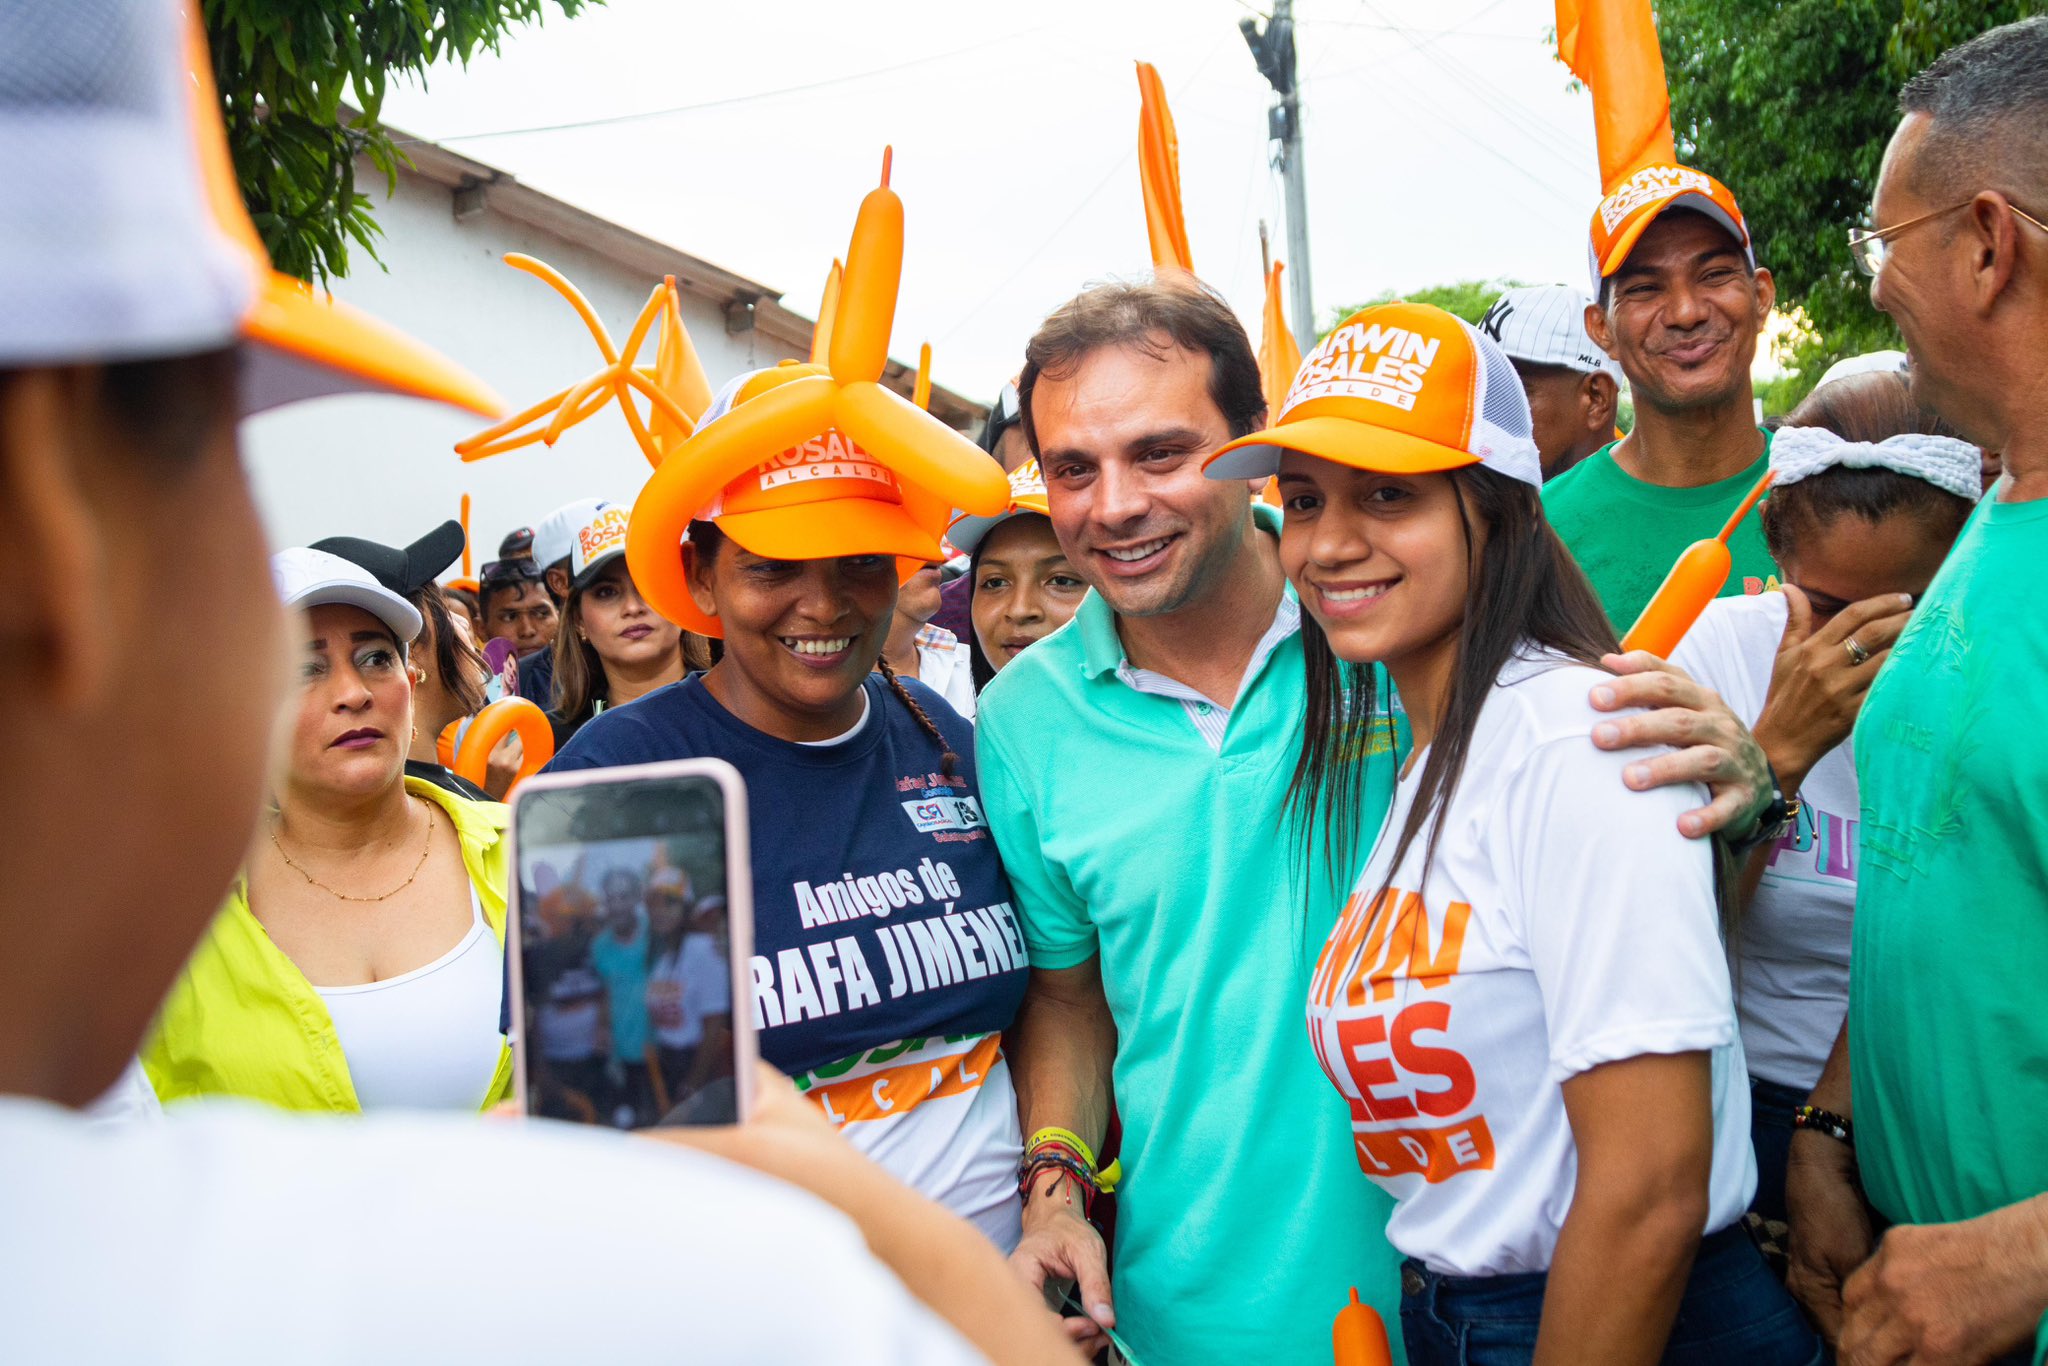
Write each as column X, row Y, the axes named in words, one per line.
column 1626, row 212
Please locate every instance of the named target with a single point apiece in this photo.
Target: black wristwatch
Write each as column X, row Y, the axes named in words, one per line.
column 1779, row 815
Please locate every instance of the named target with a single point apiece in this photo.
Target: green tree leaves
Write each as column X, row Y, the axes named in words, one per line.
column 285, row 67
column 1790, row 104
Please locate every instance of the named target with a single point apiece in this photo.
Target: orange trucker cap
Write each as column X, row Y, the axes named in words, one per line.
column 1631, row 206
column 1398, row 389
column 821, row 498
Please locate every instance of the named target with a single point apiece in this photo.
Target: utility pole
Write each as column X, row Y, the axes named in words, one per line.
column 1273, row 50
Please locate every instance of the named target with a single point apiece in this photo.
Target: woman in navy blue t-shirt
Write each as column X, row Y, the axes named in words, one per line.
column 887, row 957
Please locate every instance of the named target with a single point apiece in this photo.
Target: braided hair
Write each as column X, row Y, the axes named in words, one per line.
column 948, row 760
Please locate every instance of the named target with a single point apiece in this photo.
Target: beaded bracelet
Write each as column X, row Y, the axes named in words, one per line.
column 1826, row 1122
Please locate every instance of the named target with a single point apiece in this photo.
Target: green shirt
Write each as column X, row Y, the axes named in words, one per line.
column 1243, row 1220
column 1948, row 970
column 1627, row 534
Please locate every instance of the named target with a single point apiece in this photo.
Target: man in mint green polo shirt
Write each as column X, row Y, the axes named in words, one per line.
column 1947, row 1036
column 1136, row 766
column 1681, row 304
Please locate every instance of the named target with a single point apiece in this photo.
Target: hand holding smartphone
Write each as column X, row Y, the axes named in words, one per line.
column 630, row 943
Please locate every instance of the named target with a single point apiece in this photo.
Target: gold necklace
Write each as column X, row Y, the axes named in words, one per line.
column 425, row 849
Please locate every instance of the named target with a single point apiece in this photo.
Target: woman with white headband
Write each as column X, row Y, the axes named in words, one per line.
column 1868, row 495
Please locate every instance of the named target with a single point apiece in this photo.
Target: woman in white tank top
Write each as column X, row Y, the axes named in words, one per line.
column 359, row 962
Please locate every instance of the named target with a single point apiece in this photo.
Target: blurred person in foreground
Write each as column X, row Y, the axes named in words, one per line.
column 1937, row 1092
column 133, row 326
column 1573, row 387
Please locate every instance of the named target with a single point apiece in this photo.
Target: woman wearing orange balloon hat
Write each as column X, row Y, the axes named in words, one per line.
column 612, row 647
column 1526, row 1001
column 887, row 960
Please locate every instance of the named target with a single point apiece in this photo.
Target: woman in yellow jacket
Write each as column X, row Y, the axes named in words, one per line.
column 359, row 961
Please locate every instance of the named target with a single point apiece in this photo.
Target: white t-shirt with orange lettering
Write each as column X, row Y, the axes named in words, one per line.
column 1565, row 923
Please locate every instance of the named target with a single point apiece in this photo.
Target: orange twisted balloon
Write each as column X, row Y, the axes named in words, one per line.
column 675, row 386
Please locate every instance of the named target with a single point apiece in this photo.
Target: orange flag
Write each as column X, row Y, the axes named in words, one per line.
column 1611, row 45
column 1279, row 353
column 1159, row 173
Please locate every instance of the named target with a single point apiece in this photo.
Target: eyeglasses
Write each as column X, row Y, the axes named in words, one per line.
column 508, row 571
column 1870, row 249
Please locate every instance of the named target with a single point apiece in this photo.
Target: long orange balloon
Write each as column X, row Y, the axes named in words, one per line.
column 501, row 718
column 867, row 288
column 828, row 310
column 921, row 449
column 1159, row 174
column 1359, row 1337
column 1695, row 581
column 921, row 388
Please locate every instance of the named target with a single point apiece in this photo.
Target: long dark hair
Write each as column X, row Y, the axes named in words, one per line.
column 709, row 540
column 1523, row 586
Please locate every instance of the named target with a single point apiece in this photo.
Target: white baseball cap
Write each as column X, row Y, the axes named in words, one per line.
column 311, row 578
column 1869, row 363
column 554, row 536
column 599, row 541
column 123, row 235
column 1546, row 325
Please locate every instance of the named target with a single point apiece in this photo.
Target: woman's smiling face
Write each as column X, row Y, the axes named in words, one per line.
column 1381, row 561
column 800, row 635
column 1024, row 588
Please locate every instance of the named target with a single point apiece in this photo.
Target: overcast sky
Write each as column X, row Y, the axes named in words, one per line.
column 1443, row 143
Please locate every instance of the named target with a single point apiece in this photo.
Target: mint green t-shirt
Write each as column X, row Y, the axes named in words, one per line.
column 1627, row 534
column 1243, row 1220
column 1948, row 969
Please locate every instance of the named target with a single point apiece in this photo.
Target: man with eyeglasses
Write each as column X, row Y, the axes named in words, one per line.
column 1680, row 303
column 1937, row 1096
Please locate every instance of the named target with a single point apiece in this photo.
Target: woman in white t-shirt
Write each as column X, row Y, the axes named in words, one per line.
column 1868, row 496
column 1526, row 1003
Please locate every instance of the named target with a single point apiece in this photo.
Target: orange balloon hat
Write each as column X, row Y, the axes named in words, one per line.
column 1359, row 1337
column 468, row 749
column 936, row 467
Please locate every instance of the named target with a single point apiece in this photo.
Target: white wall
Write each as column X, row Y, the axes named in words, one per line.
column 384, row 467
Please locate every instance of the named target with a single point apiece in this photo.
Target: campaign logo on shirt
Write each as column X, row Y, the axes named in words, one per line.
column 1401, row 1075
column 939, row 805
column 945, row 813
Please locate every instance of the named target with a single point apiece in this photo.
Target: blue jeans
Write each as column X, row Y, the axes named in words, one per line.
column 1770, row 1133
column 1734, row 1311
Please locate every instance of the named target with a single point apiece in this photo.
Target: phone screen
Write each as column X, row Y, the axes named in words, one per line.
column 626, row 950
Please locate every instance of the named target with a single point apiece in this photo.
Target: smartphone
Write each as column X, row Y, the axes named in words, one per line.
column 630, row 943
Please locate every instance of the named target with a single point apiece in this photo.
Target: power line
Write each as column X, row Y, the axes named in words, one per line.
column 729, row 100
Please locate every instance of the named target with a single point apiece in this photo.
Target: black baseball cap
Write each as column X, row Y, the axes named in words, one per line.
column 517, row 545
column 406, row 571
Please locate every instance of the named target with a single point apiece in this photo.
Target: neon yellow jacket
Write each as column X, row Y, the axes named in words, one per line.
column 242, row 1020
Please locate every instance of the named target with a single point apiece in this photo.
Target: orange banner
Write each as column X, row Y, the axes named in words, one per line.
column 1611, row 45
column 1279, row 353
column 1159, row 174
column 1433, row 1154
column 901, row 1089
